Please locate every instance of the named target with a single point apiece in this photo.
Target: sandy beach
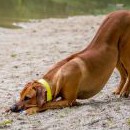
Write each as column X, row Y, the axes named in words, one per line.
column 27, row 53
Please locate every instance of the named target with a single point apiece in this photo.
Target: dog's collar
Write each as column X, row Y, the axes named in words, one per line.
column 48, row 88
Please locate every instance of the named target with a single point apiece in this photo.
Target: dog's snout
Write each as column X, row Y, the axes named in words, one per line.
column 14, row 108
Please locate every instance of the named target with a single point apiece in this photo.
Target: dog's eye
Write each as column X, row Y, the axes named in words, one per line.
column 26, row 98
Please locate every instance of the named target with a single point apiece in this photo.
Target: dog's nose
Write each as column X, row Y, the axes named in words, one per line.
column 14, row 108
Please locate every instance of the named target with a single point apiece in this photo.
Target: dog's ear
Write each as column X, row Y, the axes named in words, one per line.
column 41, row 96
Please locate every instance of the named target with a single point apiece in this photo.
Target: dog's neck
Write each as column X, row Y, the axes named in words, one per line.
column 51, row 84
column 47, row 86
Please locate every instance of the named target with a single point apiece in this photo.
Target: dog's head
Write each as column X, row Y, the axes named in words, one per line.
column 33, row 94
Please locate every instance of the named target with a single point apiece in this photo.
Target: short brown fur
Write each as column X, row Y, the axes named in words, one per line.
column 84, row 74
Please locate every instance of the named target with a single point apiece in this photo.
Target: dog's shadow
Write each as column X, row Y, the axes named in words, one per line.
column 98, row 103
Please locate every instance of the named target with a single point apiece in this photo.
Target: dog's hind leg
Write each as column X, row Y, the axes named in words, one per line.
column 126, row 89
column 123, row 74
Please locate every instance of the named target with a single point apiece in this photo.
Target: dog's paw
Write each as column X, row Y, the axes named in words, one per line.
column 30, row 111
column 124, row 94
column 116, row 92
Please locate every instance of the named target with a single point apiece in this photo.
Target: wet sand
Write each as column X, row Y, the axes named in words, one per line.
column 27, row 53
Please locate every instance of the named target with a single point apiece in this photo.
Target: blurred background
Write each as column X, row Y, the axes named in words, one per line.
column 12, row 11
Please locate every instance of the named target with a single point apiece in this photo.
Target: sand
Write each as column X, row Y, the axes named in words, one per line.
column 27, row 53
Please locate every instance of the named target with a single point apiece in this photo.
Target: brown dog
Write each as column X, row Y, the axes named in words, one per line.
column 84, row 74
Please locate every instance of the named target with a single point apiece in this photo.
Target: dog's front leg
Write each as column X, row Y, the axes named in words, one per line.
column 51, row 105
column 57, row 105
